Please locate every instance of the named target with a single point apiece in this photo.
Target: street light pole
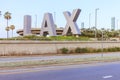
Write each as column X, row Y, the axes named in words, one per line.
column 102, row 44
column 55, row 17
column 35, row 20
column 0, row 13
column 89, row 20
column 96, row 20
column 102, row 31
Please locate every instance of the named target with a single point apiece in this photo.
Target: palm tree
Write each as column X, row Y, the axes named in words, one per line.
column 7, row 16
column 7, row 29
column 12, row 27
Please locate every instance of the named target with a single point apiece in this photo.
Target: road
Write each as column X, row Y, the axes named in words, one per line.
column 107, row 71
column 14, row 59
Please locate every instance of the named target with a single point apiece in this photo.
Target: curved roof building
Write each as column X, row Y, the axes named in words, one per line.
column 36, row 31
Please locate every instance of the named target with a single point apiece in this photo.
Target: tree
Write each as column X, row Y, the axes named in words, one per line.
column 12, row 27
column 7, row 29
column 7, row 16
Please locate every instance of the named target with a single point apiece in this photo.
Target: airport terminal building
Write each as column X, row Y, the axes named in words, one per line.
column 36, row 31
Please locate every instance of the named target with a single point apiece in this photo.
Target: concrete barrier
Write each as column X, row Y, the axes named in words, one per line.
column 47, row 47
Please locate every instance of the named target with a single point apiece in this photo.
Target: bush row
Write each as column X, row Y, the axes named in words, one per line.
column 88, row 50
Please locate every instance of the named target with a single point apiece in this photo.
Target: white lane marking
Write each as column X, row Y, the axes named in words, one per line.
column 109, row 76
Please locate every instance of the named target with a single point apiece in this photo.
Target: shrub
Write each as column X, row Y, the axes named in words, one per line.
column 114, row 49
column 99, row 50
column 64, row 50
column 85, row 50
column 91, row 50
column 117, row 48
column 82, row 50
column 71, row 51
column 111, row 49
column 105, row 50
column 78, row 50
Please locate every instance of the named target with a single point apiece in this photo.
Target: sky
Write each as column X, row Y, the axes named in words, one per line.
column 19, row 8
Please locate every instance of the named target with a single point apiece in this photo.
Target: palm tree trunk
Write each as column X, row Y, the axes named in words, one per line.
column 7, row 34
column 7, row 22
column 7, row 31
column 12, row 33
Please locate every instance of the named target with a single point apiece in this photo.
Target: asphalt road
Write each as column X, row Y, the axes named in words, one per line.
column 108, row 71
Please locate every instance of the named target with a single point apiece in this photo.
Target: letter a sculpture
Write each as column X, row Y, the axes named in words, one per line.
column 48, row 26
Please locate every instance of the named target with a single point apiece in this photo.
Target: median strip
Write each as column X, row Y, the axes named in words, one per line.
column 57, row 61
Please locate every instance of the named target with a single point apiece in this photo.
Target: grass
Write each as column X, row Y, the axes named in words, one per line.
column 51, row 38
column 57, row 61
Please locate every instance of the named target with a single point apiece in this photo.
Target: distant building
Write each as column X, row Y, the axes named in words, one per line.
column 27, row 25
column 117, row 24
column 113, row 23
column 36, row 31
column 82, row 25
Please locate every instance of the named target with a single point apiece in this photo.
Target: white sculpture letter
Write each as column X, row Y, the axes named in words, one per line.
column 48, row 26
column 27, row 25
column 71, row 27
